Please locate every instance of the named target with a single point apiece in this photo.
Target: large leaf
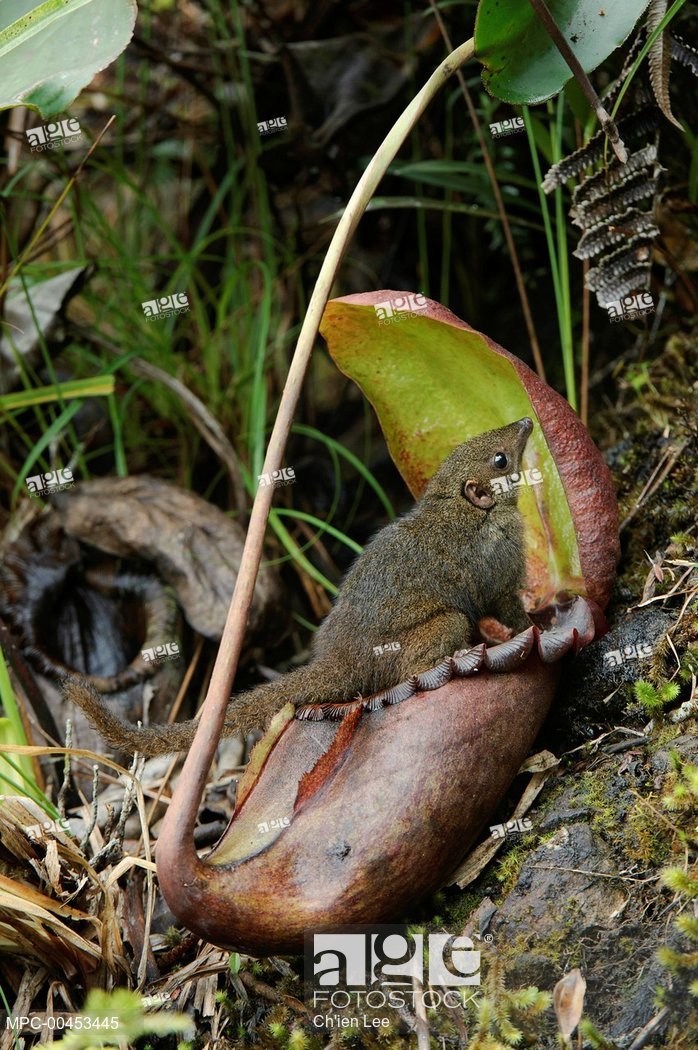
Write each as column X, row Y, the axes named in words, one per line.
column 523, row 65
column 435, row 382
column 49, row 52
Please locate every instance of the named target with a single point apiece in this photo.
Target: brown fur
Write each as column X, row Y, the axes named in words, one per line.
column 423, row 581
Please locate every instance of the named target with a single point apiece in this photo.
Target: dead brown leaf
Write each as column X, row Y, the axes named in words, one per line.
column 568, row 1000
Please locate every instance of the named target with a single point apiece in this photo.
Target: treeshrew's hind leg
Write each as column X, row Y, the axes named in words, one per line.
column 422, row 648
column 509, row 610
column 427, row 644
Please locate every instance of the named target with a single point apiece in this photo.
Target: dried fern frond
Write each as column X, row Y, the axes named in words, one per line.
column 613, row 90
column 684, row 54
column 633, row 130
column 605, row 207
column 598, row 184
column 629, row 273
column 660, row 60
column 640, row 186
column 608, row 234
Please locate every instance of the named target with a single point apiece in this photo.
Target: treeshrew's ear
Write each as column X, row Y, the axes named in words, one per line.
column 477, row 495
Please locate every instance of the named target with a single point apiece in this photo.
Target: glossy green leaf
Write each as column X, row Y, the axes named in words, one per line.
column 523, row 65
column 434, row 383
column 50, row 51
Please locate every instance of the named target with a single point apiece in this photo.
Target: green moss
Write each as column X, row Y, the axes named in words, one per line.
column 521, row 943
column 664, row 736
column 561, row 946
column 508, row 869
column 646, row 838
column 594, row 794
column 458, row 911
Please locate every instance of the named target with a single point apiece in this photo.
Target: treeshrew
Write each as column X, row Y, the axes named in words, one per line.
column 412, row 597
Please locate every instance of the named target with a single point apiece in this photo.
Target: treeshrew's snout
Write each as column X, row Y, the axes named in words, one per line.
column 525, row 427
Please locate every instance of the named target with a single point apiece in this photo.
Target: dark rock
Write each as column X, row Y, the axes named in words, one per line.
column 685, row 746
column 558, row 890
column 564, row 812
column 533, row 969
column 585, row 694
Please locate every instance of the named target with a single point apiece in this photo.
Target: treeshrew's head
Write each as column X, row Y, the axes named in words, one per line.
column 477, row 474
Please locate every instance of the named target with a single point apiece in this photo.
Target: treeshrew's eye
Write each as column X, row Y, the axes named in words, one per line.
column 500, row 460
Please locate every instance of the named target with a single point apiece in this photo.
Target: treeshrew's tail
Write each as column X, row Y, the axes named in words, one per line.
column 252, row 710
